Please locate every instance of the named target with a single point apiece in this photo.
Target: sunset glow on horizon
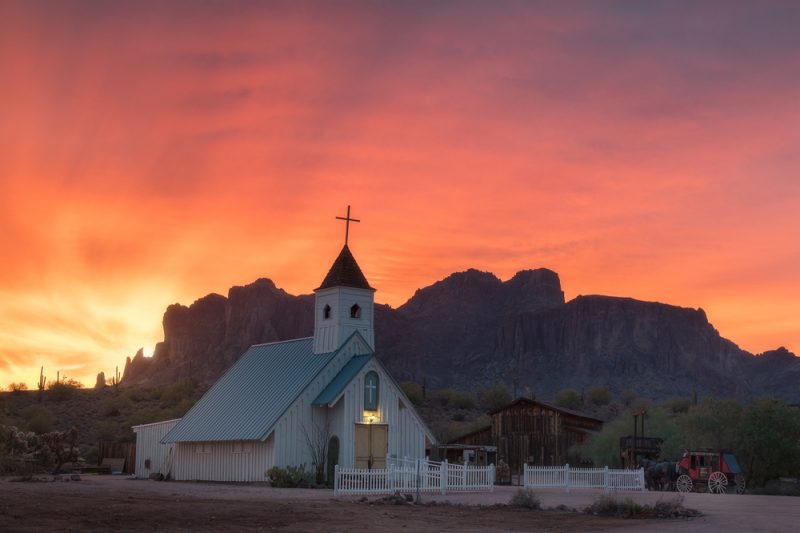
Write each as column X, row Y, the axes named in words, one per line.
column 154, row 152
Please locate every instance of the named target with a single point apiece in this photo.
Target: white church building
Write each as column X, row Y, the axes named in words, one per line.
column 282, row 402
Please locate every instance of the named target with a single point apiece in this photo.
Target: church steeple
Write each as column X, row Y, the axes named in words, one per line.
column 344, row 302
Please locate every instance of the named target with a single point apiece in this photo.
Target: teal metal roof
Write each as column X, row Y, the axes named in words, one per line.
column 253, row 394
column 338, row 383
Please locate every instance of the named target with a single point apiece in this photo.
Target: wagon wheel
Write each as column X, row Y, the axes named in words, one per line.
column 740, row 483
column 683, row 483
column 717, row 483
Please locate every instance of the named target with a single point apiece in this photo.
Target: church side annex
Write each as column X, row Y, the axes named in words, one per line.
column 280, row 403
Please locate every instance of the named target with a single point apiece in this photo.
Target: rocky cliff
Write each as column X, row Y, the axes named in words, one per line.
column 472, row 328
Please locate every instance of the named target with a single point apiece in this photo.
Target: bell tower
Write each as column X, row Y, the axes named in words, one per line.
column 344, row 302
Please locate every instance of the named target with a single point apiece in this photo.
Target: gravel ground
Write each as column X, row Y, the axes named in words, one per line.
column 114, row 502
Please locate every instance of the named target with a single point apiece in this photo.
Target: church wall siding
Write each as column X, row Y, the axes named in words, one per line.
column 218, row 462
column 291, row 447
column 406, row 433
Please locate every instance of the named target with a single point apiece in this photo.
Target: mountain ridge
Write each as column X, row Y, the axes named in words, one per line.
column 471, row 329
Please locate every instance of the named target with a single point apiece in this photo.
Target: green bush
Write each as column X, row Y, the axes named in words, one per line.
column 606, row 505
column 62, row 390
column 172, row 395
column 495, row 397
column 17, row 387
column 463, row 400
column 114, row 406
column 598, row 396
column 568, row 398
column 526, row 499
column 413, row 391
column 289, row 477
column 678, row 404
column 38, row 419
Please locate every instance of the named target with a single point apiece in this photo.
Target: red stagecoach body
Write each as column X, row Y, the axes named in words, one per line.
column 716, row 471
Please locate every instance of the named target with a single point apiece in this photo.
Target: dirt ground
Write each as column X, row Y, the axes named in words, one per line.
column 116, row 503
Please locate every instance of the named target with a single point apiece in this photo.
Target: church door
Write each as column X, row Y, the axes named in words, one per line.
column 372, row 445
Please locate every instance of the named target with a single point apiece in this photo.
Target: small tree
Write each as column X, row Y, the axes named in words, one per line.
column 317, row 438
column 598, row 396
column 495, row 397
column 63, row 445
column 568, row 398
column 413, row 391
column 17, row 387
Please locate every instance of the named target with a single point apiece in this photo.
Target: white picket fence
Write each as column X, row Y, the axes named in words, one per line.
column 583, row 478
column 409, row 475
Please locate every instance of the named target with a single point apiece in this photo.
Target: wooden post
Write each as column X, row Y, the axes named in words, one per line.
column 443, row 476
column 336, row 480
column 605, row 478
column 566, row 477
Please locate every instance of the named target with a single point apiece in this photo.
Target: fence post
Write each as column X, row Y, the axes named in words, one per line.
column 641, row 478
column 491, row 477
column 605, row 479
column 443, row 476
column 566, row 477
column 336, row 480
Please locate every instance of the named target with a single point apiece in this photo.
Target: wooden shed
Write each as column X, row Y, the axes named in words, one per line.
column 533, row 432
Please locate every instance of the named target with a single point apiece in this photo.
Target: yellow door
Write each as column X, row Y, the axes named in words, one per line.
column 372, row 445
column 380, row 445
column 362, row 445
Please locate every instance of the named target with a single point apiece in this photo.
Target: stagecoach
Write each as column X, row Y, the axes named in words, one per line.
column 718, row 472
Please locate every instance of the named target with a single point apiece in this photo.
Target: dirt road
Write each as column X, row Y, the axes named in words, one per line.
column 115, row 503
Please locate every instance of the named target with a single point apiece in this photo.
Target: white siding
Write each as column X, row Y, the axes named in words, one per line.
column 219, row 461
column 149, row 447
column 291, row 448
column 330, row 333
column 407, row 432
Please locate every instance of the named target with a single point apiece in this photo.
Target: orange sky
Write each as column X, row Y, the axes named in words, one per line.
column 153, row 152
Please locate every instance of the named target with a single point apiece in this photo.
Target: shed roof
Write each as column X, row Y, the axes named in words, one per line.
column 253, row 394
column 340, row 381
column 546, row 405
column 345, row 272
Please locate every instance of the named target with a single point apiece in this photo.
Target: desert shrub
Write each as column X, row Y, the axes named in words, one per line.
column 114, row 406
column 443, row 396
column 462, row 400
column 413, row 391
column 38, row 418
column 174, row 394
column 22, row 452
column 568, row 398
column 526, row 499
column 598, row 396
column 148, row 415
column 289, row 477
column 63, row 390
column 678, row 404
column 17, row 387
column 606, row 505
column 495, row 397
column 109, row 430
column 627, row 396
column 669, row 508
column 181, row 409
column 141, row 394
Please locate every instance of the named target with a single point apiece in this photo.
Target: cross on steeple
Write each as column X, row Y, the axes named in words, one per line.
column 347, row 220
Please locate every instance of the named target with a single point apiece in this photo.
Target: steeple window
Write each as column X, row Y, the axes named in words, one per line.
column 326, row 312
column 355, row 311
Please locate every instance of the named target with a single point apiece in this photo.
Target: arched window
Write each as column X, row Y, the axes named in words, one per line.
column 326, row 313
column 371, row 391
column 355, row 311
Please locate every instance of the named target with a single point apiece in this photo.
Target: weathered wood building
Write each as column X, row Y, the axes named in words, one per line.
column 533, row 432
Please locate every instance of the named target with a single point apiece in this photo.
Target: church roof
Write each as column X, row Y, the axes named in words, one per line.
column 340, row 381
column 345, row 272
column 253, row 394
